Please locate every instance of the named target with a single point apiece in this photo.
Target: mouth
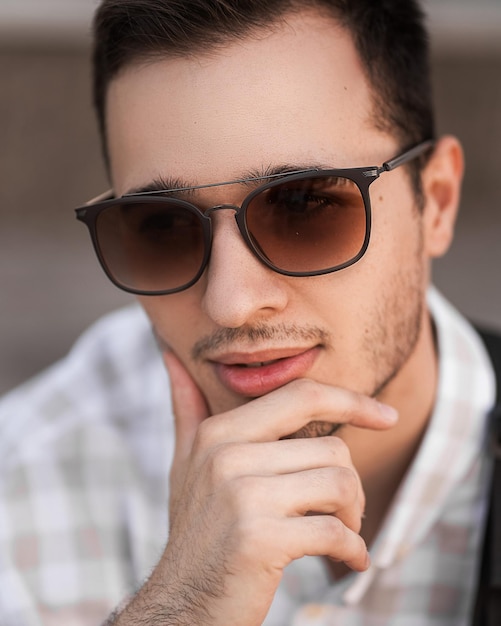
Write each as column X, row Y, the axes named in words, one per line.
column 253, row 375
column 258, row 364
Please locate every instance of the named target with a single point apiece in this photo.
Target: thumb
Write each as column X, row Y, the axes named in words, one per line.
column 188, row 403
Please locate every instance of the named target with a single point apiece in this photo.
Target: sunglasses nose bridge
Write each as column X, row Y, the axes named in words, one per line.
column 238, row 210
column 221, row 207
column 226, row 207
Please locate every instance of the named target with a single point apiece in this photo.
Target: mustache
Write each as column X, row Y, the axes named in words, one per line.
column 225, row 338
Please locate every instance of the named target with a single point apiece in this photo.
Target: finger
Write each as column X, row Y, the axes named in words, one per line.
column 330, row 491
column 278, row 457
column 188, row 403
column 291, row 407
column 324, row 535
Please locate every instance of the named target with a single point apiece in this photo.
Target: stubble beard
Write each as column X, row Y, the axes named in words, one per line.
column 387, row 344
column 392, row 337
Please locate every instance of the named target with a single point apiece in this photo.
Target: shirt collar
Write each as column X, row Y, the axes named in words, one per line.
column 453, row 440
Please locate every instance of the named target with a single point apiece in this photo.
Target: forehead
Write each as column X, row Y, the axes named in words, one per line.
column 294, row 94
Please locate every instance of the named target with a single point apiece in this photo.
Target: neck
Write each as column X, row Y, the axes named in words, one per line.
column 382, row 458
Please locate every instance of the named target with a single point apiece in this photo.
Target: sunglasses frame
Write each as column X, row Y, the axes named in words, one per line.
column 363, row 177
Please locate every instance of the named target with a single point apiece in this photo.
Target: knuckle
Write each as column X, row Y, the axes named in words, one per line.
column 362, row 405
column 334, row 527
column 207, row 435
column 355, row 405
column 347, row 484
column 310, row 391
column 341, row 535
column 337, row 447
column 357, row 525
column 222, row 463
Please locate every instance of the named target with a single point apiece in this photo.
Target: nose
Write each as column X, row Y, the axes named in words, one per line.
column 239, row 288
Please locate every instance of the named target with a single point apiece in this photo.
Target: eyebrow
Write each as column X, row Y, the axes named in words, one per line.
column 249, row 178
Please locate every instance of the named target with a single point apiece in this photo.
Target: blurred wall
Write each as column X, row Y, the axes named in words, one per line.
column 50, row 285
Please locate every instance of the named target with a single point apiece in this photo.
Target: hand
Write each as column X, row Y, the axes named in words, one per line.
column 245, row 503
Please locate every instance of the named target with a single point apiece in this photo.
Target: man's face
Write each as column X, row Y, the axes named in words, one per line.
column 295, row 95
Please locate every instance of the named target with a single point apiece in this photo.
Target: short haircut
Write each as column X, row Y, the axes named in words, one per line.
column 389, row 35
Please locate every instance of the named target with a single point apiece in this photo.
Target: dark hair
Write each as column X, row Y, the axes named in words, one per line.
column 389, row 36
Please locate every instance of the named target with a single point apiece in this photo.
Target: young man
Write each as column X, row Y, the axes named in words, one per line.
column 278, row 196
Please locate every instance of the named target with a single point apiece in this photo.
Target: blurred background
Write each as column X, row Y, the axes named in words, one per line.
column 51, row 287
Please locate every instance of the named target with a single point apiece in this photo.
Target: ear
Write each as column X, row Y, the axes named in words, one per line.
column 441, row 181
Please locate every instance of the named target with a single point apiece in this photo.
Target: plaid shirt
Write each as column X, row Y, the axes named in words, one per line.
column 85, row 450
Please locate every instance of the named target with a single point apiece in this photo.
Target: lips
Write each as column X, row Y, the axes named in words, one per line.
column 258, row 374
column 259, row 364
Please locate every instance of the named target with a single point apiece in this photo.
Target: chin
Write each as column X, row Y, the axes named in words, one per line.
column 315, row 429
column 225, row 402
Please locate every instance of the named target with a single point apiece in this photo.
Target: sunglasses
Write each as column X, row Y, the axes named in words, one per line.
column 301, row 223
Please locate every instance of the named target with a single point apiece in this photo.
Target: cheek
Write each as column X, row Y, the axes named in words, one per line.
column 365, row 304
column 397, row 227
column 174, row 319
column 179, row 321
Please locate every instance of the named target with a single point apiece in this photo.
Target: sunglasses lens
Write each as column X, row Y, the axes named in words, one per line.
column 309, row 224
column 151, row 245
column 300, row 225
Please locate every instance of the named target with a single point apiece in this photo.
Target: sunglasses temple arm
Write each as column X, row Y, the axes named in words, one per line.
column 107, row 195
column 407, row 156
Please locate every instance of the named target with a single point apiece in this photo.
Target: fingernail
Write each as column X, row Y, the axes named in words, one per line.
column 388, row 412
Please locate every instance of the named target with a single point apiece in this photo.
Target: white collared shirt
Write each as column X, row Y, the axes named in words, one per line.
column 425, row 558
column 85, row 451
